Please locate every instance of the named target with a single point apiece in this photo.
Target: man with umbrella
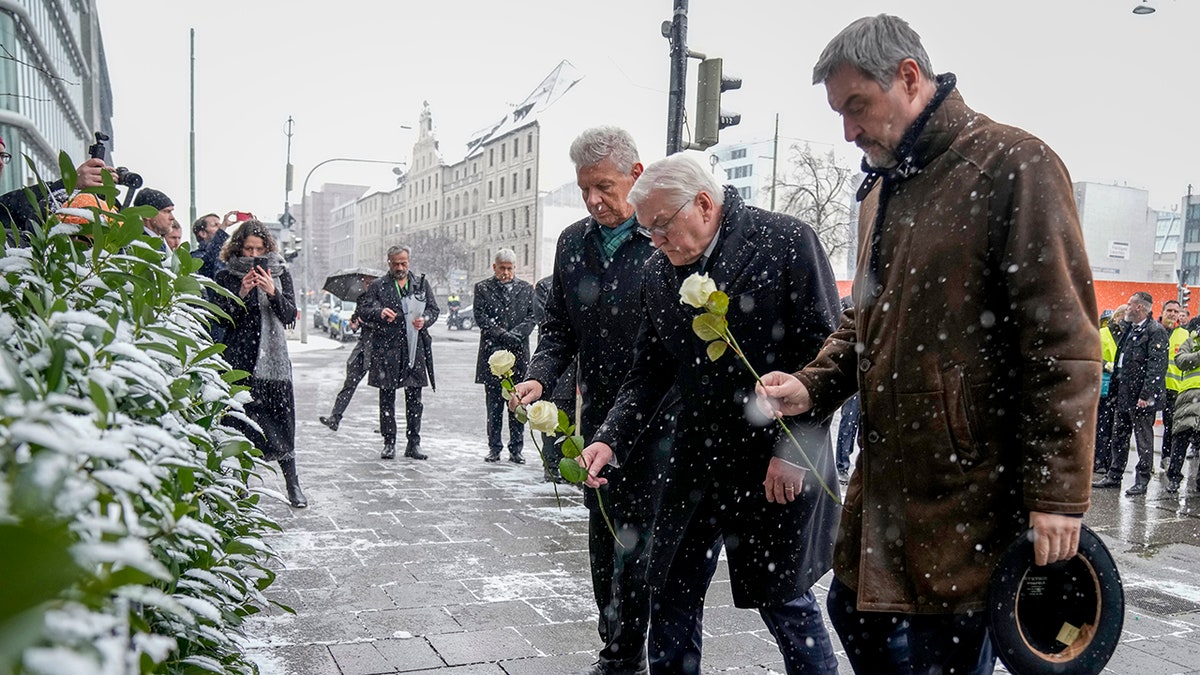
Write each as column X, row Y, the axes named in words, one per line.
column 400, row 309
column 350, row 286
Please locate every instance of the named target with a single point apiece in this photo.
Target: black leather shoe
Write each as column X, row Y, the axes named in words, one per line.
column 331, row 422
column 414, row 450
column 1138, row 488
column 389, row 451
column 516, row 458
column 1173, row 486
column 604, row 668
column 493, row 456
column 1107, row 482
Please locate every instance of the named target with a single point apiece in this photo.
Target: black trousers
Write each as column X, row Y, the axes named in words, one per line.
column 619, row 583
column 1168, row 413
column 1104, row 427
column 413, row 408
column 883, row 643
column 497, row 410
column 1180, row 441
column 356, row 370
column 1139, row 422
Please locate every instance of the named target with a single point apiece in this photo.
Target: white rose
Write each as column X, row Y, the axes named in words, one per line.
column 543, row 417
column 696, row 289
column 501, row 362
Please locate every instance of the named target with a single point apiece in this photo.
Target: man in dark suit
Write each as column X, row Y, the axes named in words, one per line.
column 733, row 479
column 593, row 311
column 400, row 308
column 504, row 313
column 1138, row 380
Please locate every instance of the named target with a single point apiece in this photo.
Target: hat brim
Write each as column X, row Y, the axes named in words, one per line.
column 1061, row 618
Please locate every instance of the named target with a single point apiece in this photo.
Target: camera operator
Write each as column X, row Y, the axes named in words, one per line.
column 15, row 206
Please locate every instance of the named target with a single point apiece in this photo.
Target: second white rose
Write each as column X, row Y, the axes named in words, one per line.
column 501, row 362
column 543, row 417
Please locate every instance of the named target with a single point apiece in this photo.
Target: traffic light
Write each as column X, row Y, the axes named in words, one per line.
column 1185, row 296
column 710, row 119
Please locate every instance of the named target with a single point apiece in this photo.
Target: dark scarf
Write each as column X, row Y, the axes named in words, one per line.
column 906, row 160
column 272, row 362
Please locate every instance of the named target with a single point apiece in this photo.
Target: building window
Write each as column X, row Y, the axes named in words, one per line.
column 527, row 217
column 490, row 195
column 516, row 147
column 738, row 154
column 491, row 157
column 526, row 255
column 528, row 179
column 501, row 186
column 529, row 143
column 489, row 225
column 745, row 193
column 503, row 152
column 514, row 183
column 744, row 171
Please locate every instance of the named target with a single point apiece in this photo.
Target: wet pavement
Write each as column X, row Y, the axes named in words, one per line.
column 457, row 567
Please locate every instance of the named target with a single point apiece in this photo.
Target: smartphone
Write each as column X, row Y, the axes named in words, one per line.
column 261, row 261
column 243, row 216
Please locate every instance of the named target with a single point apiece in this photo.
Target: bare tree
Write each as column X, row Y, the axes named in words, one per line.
column 437, row 256
column 817, row 190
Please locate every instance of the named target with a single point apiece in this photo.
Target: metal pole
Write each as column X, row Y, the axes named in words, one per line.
column 775, row 163
column 192, row 131
column 305, row 282
column 679, row 56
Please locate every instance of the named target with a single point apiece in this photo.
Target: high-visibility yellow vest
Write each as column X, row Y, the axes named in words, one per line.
column 1174, row 375
column 1189, row 379
column 1108, row 346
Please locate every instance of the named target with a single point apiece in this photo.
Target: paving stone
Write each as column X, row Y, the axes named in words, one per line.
column 510, row 587
column 549, row 665
column 353, row 598
column 486, row 615
column 480, row 646
column 360, row 658
column 373, row 575
column 401, row 623
column 409, row 654
column 731, row 620
column 304, row 578
column 579, row 607
column 563, row 638
column 732, row 651
column 521, row 546
column 429, row 594
column 473, row 669
column 296, row 660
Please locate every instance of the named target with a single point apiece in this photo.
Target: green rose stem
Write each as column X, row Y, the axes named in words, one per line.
column 712, row 326
column 572, row 444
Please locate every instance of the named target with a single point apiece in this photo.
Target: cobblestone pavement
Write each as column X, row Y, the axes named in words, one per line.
column 459, row 567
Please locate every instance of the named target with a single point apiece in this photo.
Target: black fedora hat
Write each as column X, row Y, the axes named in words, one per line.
column 1060, row 618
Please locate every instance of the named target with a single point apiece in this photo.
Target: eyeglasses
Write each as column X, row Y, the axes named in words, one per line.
column 5, row 157
column 661, row 230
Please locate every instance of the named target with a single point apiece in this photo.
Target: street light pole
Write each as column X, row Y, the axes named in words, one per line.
column 305, row 244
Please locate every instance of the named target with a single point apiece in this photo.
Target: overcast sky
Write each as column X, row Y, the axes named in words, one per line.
column 1113, row 93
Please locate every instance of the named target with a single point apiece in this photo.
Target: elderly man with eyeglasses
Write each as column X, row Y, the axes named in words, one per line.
column 733, row 479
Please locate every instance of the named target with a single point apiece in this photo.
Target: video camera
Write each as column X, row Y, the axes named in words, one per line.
column 124, row 176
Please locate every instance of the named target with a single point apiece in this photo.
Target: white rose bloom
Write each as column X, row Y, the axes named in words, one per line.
column 543, row 417
column 501, row 362
column 696, row 289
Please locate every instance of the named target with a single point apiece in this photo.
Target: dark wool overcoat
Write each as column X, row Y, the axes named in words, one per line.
column 505, row 320
column 389, row 341
column 783, row 303
column 592, row 316
column 973, row 342
column 1141, row 366
column 273, row 404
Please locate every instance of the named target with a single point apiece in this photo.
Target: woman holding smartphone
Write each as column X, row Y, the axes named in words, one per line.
column 255, row 342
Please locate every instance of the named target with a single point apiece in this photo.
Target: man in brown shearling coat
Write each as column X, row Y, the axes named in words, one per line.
column 973, row 343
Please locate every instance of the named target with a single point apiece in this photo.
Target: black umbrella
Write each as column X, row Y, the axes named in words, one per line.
column 350, row 283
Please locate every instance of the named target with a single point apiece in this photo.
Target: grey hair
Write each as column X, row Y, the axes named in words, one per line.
column 607, row 142
column 506, row 255
column 1145, row 298
column 679, row 177
column 875, row 45
column 393, row 250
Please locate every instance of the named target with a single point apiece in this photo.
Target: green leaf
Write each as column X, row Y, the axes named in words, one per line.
column 571, row 471
column 572, row 446
column 718, row 303
column 716, row 349
column 187, row 480
column 708, row 327
column 563, row 421
column 101, row 399
column 506, row 384
column 521, row 415
column 506, row 394
column 69, row 177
